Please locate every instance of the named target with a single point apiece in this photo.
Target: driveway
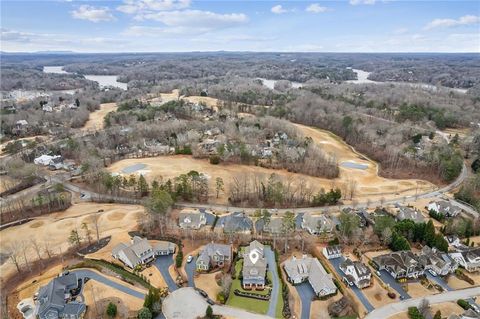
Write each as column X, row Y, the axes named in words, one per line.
column 438, row 280
column 190, row 270
column 272, row 267
column 163, row 263
column 186, row 303
column 306, row 293
column 358, row 292
column 393, row 308
column 82, row 273
column 390, row 281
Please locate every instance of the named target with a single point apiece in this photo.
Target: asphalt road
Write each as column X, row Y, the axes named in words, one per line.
column 163, row 263
column 393, row 308
column 272, row 267
column 358, row 292
column 82, row 273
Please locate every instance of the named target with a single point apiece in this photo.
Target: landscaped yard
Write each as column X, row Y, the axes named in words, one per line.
column 249, row 304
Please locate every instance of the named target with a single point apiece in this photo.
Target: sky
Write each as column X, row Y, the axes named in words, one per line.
column 249, row 25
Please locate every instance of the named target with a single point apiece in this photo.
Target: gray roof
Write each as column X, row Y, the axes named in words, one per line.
column 447, row 208
column 360, row 268
column 275, row 225
column 52, row 298
column 140, row 245
column 399, row 261
column 333, row 250
column 410, row 213
column 191, row 218
column 320, row 223
column 251, row 271
column 213, row 249
column 429, row 256
column 164, row 245
column 237, row 222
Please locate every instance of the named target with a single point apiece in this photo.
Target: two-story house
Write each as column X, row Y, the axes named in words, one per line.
column 254, row 266
column 400, row 264
column 356, row 273
column 437, row 262
column 214, row 255
column 138, row 252
column 468, row 259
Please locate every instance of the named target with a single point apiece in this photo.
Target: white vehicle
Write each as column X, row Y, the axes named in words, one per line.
column 379, row 274
column 475, row 308
column 189, row 258
column 434, row 274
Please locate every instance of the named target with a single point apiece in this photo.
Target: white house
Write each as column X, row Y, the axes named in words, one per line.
column 138, row 252
column 46, row 160
column 356, row 273
column 444, row 207
column 308, row 268
column 468, row 259
column 331, row 252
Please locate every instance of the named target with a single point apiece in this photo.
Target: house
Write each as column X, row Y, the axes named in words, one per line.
column 444, row 207
column 405, row 212
column 164, row 248
column 274, row 225
column 440, row 263
column 47, row 108
column 47, row 160
column 191, row 219
column 56, row 299
column 209, row 146
column 467, row 314
column 454, row 242
column 139, row 252
column 468, row 259
column 316, row 224
column 254, row 266
column 331, row 252
column 356, row 273
column 214, row 255
column 21, row 124
column 236, row 222
column 400, row 264
column 308, row 268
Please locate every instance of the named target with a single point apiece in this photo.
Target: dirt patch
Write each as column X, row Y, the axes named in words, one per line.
column 377, row 295
column 36, row 224
column 208, row 283
column 115, row 216
column 54, row 229
column 417, row 290
column 95, row 120
column 319, row 308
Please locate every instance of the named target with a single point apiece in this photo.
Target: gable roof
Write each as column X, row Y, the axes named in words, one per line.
column 318, row 222
column 237, row 222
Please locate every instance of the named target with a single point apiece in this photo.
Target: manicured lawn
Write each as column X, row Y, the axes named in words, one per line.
column 249, row 304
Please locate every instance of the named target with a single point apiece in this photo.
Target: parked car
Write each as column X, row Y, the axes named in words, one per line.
column 379, row 274
column 189, row 258
column 210, row 302
column 434, row 274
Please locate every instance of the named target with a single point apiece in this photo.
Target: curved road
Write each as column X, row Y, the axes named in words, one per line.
column 391, row 309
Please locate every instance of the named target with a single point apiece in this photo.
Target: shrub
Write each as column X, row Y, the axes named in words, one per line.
column 111, row 310
column 144, row 313
column 179, row 258
column 209, row 312
column 463, row 303
column 214, row 159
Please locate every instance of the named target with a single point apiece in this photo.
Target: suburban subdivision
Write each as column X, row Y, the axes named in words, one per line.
column 238, row 184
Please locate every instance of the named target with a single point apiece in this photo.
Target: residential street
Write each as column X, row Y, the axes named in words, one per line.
column 391, row 309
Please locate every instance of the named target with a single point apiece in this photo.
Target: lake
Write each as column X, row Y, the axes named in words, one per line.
column 102, row 80
column 362, row 78
column 271, row 83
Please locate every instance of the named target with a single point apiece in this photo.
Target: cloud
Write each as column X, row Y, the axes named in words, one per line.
column 400, row 31
column 446, row 23
column 142, row 6
column 316, row 8
column 203, row 20
column 90, row 13
column 278, row 9
column 357, row 2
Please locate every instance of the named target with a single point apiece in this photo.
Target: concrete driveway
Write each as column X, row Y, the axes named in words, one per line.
column 358, row 292
column 190, row 270
column 163, row 263
column 82, row 273
column 272, row 267
column 306, row 293
column 390, row 281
